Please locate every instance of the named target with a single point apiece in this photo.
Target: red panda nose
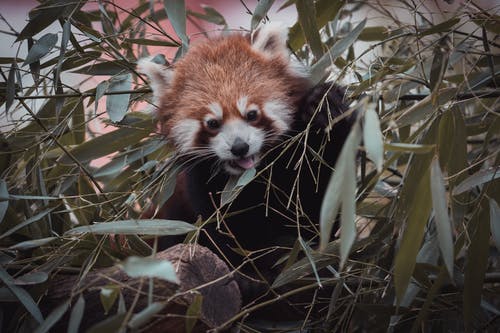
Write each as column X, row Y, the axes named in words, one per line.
column 239, row 147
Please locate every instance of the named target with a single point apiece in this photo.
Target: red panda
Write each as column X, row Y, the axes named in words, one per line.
column 238, row 102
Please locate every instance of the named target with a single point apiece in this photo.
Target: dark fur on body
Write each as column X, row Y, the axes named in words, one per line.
column 198, row 189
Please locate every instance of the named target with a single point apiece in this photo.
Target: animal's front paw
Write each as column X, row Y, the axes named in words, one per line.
column 322, row 104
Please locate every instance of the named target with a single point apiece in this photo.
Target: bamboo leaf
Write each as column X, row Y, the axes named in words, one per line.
column 134, row 227
column 76, row 315
column 441, row 27
column 109, row 142
column 32, row 219
column 117, row 105
column 307, row 20
column 149, row 267
column 10, row 93
column 333, row 196
column 477, row 179
column 442, row 219
column 412, row 237
column 372, row 138
column 193, row 312
column 53, row 318
column 43, row 46
column 476, row 265
column 409, row 147
column 319, row 68
column 22, row 295
column 176, row 12
column 260, row 12
column 111, row 324
column 495, row 222
column 31, row 244
column 31, row 278
column 108, row 296
column 4, row 202
column 144, row 316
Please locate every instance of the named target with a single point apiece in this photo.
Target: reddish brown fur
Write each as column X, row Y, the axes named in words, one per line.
column 223, row 70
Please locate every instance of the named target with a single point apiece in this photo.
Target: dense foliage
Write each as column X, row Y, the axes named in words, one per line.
column 418, row 177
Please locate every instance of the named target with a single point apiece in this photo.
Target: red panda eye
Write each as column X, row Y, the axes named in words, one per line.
column 252, row 115
column 213, row 124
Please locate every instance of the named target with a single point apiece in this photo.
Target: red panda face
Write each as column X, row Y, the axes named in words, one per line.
column 229, row 98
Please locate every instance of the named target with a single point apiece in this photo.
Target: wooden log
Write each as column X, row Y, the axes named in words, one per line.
column 199, row 270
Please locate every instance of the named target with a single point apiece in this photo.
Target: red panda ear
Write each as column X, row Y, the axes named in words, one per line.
column 159, row 76
column 270, row 39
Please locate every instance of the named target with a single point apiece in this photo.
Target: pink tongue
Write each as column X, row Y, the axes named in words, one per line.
column 245, row 163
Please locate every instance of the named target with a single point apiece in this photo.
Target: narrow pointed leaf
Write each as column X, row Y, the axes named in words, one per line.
column 134, row 227
column 260, row 12
column 193, row 312
column 333, row 195
column 479, row 178
column 443, row 222
column 372, row 138
column 53, row 318
column 145, row 316
column 149, row 267
column 10, row 94
column 4, row 202
column 76, row 315
column 318, row 71
column 43, row 46
column 176, row 12
column 495, row 222
column 412, row 236
column 32, row 219
column 117, row 105
column 307, row 20
column 22, row 295
column 26, row 245
column 476, row 265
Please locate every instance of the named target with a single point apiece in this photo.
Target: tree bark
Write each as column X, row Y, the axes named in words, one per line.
column 199, row 271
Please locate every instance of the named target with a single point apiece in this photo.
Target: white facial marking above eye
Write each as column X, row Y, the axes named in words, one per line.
column 184, row 133
column 216, row 109
column 280, row 113
column 241, row 104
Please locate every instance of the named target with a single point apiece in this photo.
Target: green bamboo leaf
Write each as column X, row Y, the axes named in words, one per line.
column 372, row 138
column 446, row 135
column 145, row 316
column 326, row 11
column 479, row 178
column 76, row 315
column 476, row 265
column 43, row 46
column 108, row 296
column 4, row 196
column 149, row 267
column 441, row 27
column 22, row 295
column 117, row 105
column 104, row 68
column 260, row 12
column 53, row 318
column 32, row 219
column 495, row 222
column 40, row 18
column 307, row 20
column 133, row 227
column 176, row 12
column 333, row 196
column 31, row 244
column 409, row 147
column 193, row 312
column 319, row 68
column 442, row 219
column 111, row 324
column 31, row 278
column 10, row 92
column 152, row 42
column 438, row 66
column 413, row 234
column 110, row 142
column 371, row 34
column 424, row 108
column 211, row 15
